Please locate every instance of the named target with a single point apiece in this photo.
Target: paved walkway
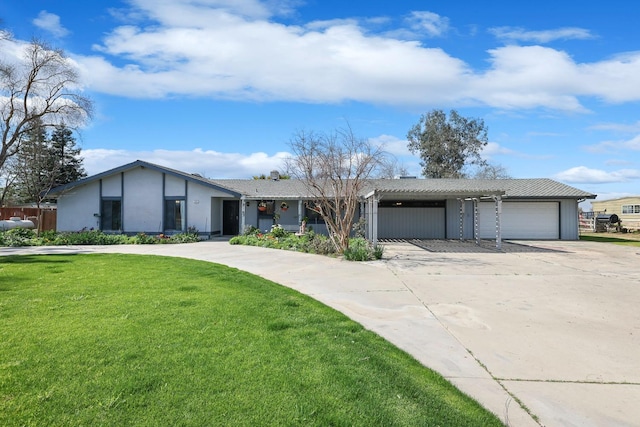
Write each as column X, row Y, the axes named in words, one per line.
column 555, row 330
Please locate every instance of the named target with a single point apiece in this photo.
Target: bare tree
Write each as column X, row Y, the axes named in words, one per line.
column 334, row 168
column 390, row 168
column 8, row 178
column 42, row 85
column 491, row 171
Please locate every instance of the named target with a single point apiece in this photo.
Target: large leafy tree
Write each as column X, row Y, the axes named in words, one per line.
column 39, row 87
column 447, row 144
column 334, row 168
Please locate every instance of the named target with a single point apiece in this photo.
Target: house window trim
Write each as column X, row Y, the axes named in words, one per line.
column 102, row 213
column 630, row 209
column 183, row 216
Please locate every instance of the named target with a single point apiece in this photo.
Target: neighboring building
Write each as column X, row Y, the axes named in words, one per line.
column 144, row 197
column 627, row 209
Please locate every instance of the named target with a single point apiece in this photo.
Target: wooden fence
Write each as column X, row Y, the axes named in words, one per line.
column 587, row 221
column 43, row 218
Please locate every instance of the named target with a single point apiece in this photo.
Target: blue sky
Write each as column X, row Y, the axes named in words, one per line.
column 219, row 87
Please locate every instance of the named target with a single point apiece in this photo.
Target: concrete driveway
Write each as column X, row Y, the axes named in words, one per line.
column 543, row 333
column 558, row 326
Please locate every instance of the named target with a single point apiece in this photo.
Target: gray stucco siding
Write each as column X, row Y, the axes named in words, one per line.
column 77, row 208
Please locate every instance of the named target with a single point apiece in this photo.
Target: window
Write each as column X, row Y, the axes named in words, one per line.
column 111, row 214
column 266, row 208
column 312, row 215
column 630, row 209
column 174, row 213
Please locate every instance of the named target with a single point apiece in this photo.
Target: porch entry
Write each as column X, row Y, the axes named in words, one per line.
column 230, row 217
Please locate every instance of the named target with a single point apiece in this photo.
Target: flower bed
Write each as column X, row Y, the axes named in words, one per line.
column 310, row 242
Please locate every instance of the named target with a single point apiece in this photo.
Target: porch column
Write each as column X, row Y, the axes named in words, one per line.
column 243, row 207
column 374, row 221
column 300, row 212
column 476, row 222
column 498, row 201
column 461, row 219
column 372, row 217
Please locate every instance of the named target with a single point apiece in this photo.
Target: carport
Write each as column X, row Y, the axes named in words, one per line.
column 429, row 213
column 471, row 209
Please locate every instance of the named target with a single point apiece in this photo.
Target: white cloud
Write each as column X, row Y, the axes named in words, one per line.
column 544, row 36
column 224, row 49
column 493, row 148
column 583, row 174
column 618, row 127
column 618, row 162
column 208, row 163
column 235, row 58
column 632, row 144
column 392, row 144
column 51, row 23
column 428, row 23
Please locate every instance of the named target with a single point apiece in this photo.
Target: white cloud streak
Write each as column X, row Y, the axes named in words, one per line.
column 429, row 23
column 51, row 23
column 544, row 36
column 632, row 144
column 585, row 175
column 208, row 163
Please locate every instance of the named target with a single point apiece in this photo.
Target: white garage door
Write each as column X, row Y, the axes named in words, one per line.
column 521, row 220
column 404, row 223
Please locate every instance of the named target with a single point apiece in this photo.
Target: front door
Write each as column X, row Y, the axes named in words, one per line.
column 230, row 217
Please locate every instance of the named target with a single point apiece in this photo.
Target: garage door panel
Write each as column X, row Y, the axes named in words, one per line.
column 521, row 220
column 405, row 223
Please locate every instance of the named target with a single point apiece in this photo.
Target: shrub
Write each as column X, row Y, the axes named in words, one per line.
column 250, row 230
column 362, row 250
column 25, row 237
column 188, row 237
column 378, row 251
column 143, row 239
column 320, row 244
column 278, row 231
column 89, row 237
column 18, row 237
column 47, row 237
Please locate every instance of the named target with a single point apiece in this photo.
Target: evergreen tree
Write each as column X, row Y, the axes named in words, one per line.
column 65, row 156
column 42, row 163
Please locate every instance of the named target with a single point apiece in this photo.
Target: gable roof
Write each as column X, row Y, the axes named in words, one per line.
column 537, row 188
column 142, row 164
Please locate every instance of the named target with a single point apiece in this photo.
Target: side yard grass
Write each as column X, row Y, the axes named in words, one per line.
column 115, row 340
column 627, row 240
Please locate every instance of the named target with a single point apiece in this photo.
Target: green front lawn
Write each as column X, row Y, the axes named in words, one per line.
column 128, row 340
